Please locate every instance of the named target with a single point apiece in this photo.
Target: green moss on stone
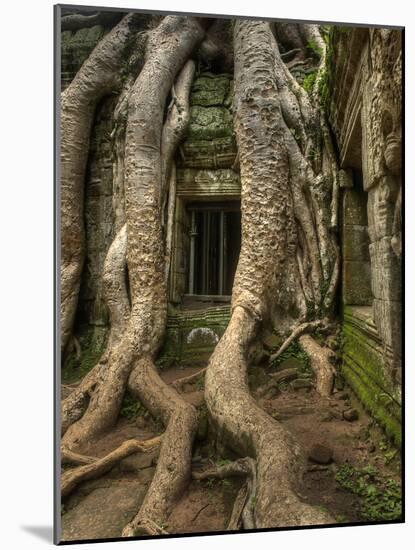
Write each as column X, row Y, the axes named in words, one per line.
column 209, row 123
column 76, row 48
column 364, row 352
column 364, row 370
column 308, row 82
column 391, row 426
column 191, row 336
column 210, row 90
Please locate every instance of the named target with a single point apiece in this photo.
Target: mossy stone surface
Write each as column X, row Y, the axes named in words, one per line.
column 210, row 90
column 76, row 48
column 209, row 123
column 363, row 368
column 191, row 336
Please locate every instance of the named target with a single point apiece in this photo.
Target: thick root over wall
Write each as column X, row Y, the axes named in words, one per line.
column 138, row 319
column 130, row 358
column 265, row 200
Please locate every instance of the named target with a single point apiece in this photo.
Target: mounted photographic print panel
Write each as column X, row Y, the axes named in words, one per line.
column 229, row 315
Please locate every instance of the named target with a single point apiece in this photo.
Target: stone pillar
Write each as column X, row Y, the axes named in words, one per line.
column 381, row 133
column 356, row 274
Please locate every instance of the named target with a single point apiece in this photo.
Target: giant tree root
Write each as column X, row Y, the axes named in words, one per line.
column 71, row 479
column 247, row 429
column 174, row 463
column 321, row 362
column 98, row 76
column 131, row 359
column 115, row 291
column 73, row 406
column 169, row 47
column 265, row 203
column 238, row 508
column 321, row 358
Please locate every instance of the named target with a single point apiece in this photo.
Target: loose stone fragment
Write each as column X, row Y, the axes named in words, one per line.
column 321, row 454
column 350, row 415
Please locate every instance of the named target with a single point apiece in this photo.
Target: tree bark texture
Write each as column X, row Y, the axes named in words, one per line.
column 98, row 76
column 132, row 355
column 265, row 200
column 288, row 260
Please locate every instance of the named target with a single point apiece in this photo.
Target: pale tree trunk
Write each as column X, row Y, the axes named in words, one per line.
column 171, row 43
column 285, row 238
column 144, row 148
column 168, row 49
column 265, row 205
column 116, row 295
column 98, row 76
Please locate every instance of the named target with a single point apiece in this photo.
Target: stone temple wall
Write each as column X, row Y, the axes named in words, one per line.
column 75, row 49
column 365, row 114
column 205, row 172
column 92, row 315
column 99, row 225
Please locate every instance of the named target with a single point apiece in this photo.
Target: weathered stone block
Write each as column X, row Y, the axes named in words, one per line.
column 209, row 122
column 365, row 367
column 345, row 178
column 321, row 454
column 356, row 243
column 354, row 207
column 386, row 270
column 198, row 343
column 75, row 48
column 207, row 183
column 356, row 283
column 210, row 90
column 387, row 316
column 212, row 153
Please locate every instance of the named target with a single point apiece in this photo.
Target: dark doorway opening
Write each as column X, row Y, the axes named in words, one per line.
column 215, row 242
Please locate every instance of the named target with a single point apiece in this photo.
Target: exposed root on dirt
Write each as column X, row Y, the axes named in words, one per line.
column 71, row 478
column 174, row 464
column 322, row 360
column 73, row 407
column 69, row 457
column 235, row 521
column 247, row 429
column 146, row 526
column 180, row 382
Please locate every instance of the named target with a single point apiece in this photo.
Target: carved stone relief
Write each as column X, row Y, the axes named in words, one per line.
column 381, row 125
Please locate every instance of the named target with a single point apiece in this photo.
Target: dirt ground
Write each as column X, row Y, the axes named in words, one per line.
column 334, row 433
